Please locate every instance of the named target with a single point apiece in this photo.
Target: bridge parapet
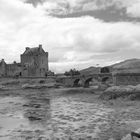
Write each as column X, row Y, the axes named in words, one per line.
column 83, row 80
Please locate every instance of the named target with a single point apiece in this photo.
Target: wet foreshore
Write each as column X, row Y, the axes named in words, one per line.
column 64, row 114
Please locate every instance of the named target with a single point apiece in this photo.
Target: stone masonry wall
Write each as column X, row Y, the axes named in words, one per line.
column 126, row 79
column 13, row 70
column 34, row 65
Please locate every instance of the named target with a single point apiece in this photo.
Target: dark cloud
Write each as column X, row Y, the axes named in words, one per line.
column 107, row 10
column 110, row 14
column 35, row 2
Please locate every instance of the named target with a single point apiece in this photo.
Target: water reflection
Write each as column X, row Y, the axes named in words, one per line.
column 61, row 117
column 37, row 108
column 58, row 117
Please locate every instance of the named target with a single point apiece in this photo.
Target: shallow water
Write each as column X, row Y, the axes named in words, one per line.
column 78, row 119
column 39, row 117
column 11, row 117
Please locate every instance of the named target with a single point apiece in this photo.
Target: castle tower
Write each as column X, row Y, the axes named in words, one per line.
column 34, row 62
column 2, row 68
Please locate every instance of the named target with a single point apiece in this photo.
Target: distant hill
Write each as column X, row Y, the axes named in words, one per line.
column 130, row 65
column 90, row 70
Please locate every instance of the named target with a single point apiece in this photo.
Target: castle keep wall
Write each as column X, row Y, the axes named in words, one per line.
column 126, row 79
column 43, row 64
column 13, row 70
column 27, row 63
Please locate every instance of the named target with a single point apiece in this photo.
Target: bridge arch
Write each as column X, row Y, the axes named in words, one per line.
column 106, row 79
column 76, row 82
column 87, row 81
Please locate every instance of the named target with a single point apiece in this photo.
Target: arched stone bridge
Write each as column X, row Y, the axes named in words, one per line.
column 83, row 80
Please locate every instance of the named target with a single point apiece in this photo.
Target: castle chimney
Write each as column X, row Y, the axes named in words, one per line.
column 27, row 48
column 3, row 61
column 40, row 46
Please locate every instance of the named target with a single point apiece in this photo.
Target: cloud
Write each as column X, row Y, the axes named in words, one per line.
column 66, row 7
column 134, row 10
column 107, row 10
column 71, row 42
column 34, row 2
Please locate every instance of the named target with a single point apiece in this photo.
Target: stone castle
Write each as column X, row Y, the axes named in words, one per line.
column 34, row 63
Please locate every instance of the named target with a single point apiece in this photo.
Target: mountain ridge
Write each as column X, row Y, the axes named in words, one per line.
column 129, row 65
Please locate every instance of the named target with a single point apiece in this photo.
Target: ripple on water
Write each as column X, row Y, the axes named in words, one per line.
column 67, row 118
column 78, row 118
column 11, row 116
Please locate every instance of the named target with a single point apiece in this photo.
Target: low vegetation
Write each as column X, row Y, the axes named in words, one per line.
column 72, row 72
column 114, row 92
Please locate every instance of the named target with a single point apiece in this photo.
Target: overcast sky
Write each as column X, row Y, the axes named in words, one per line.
column 76, row 33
